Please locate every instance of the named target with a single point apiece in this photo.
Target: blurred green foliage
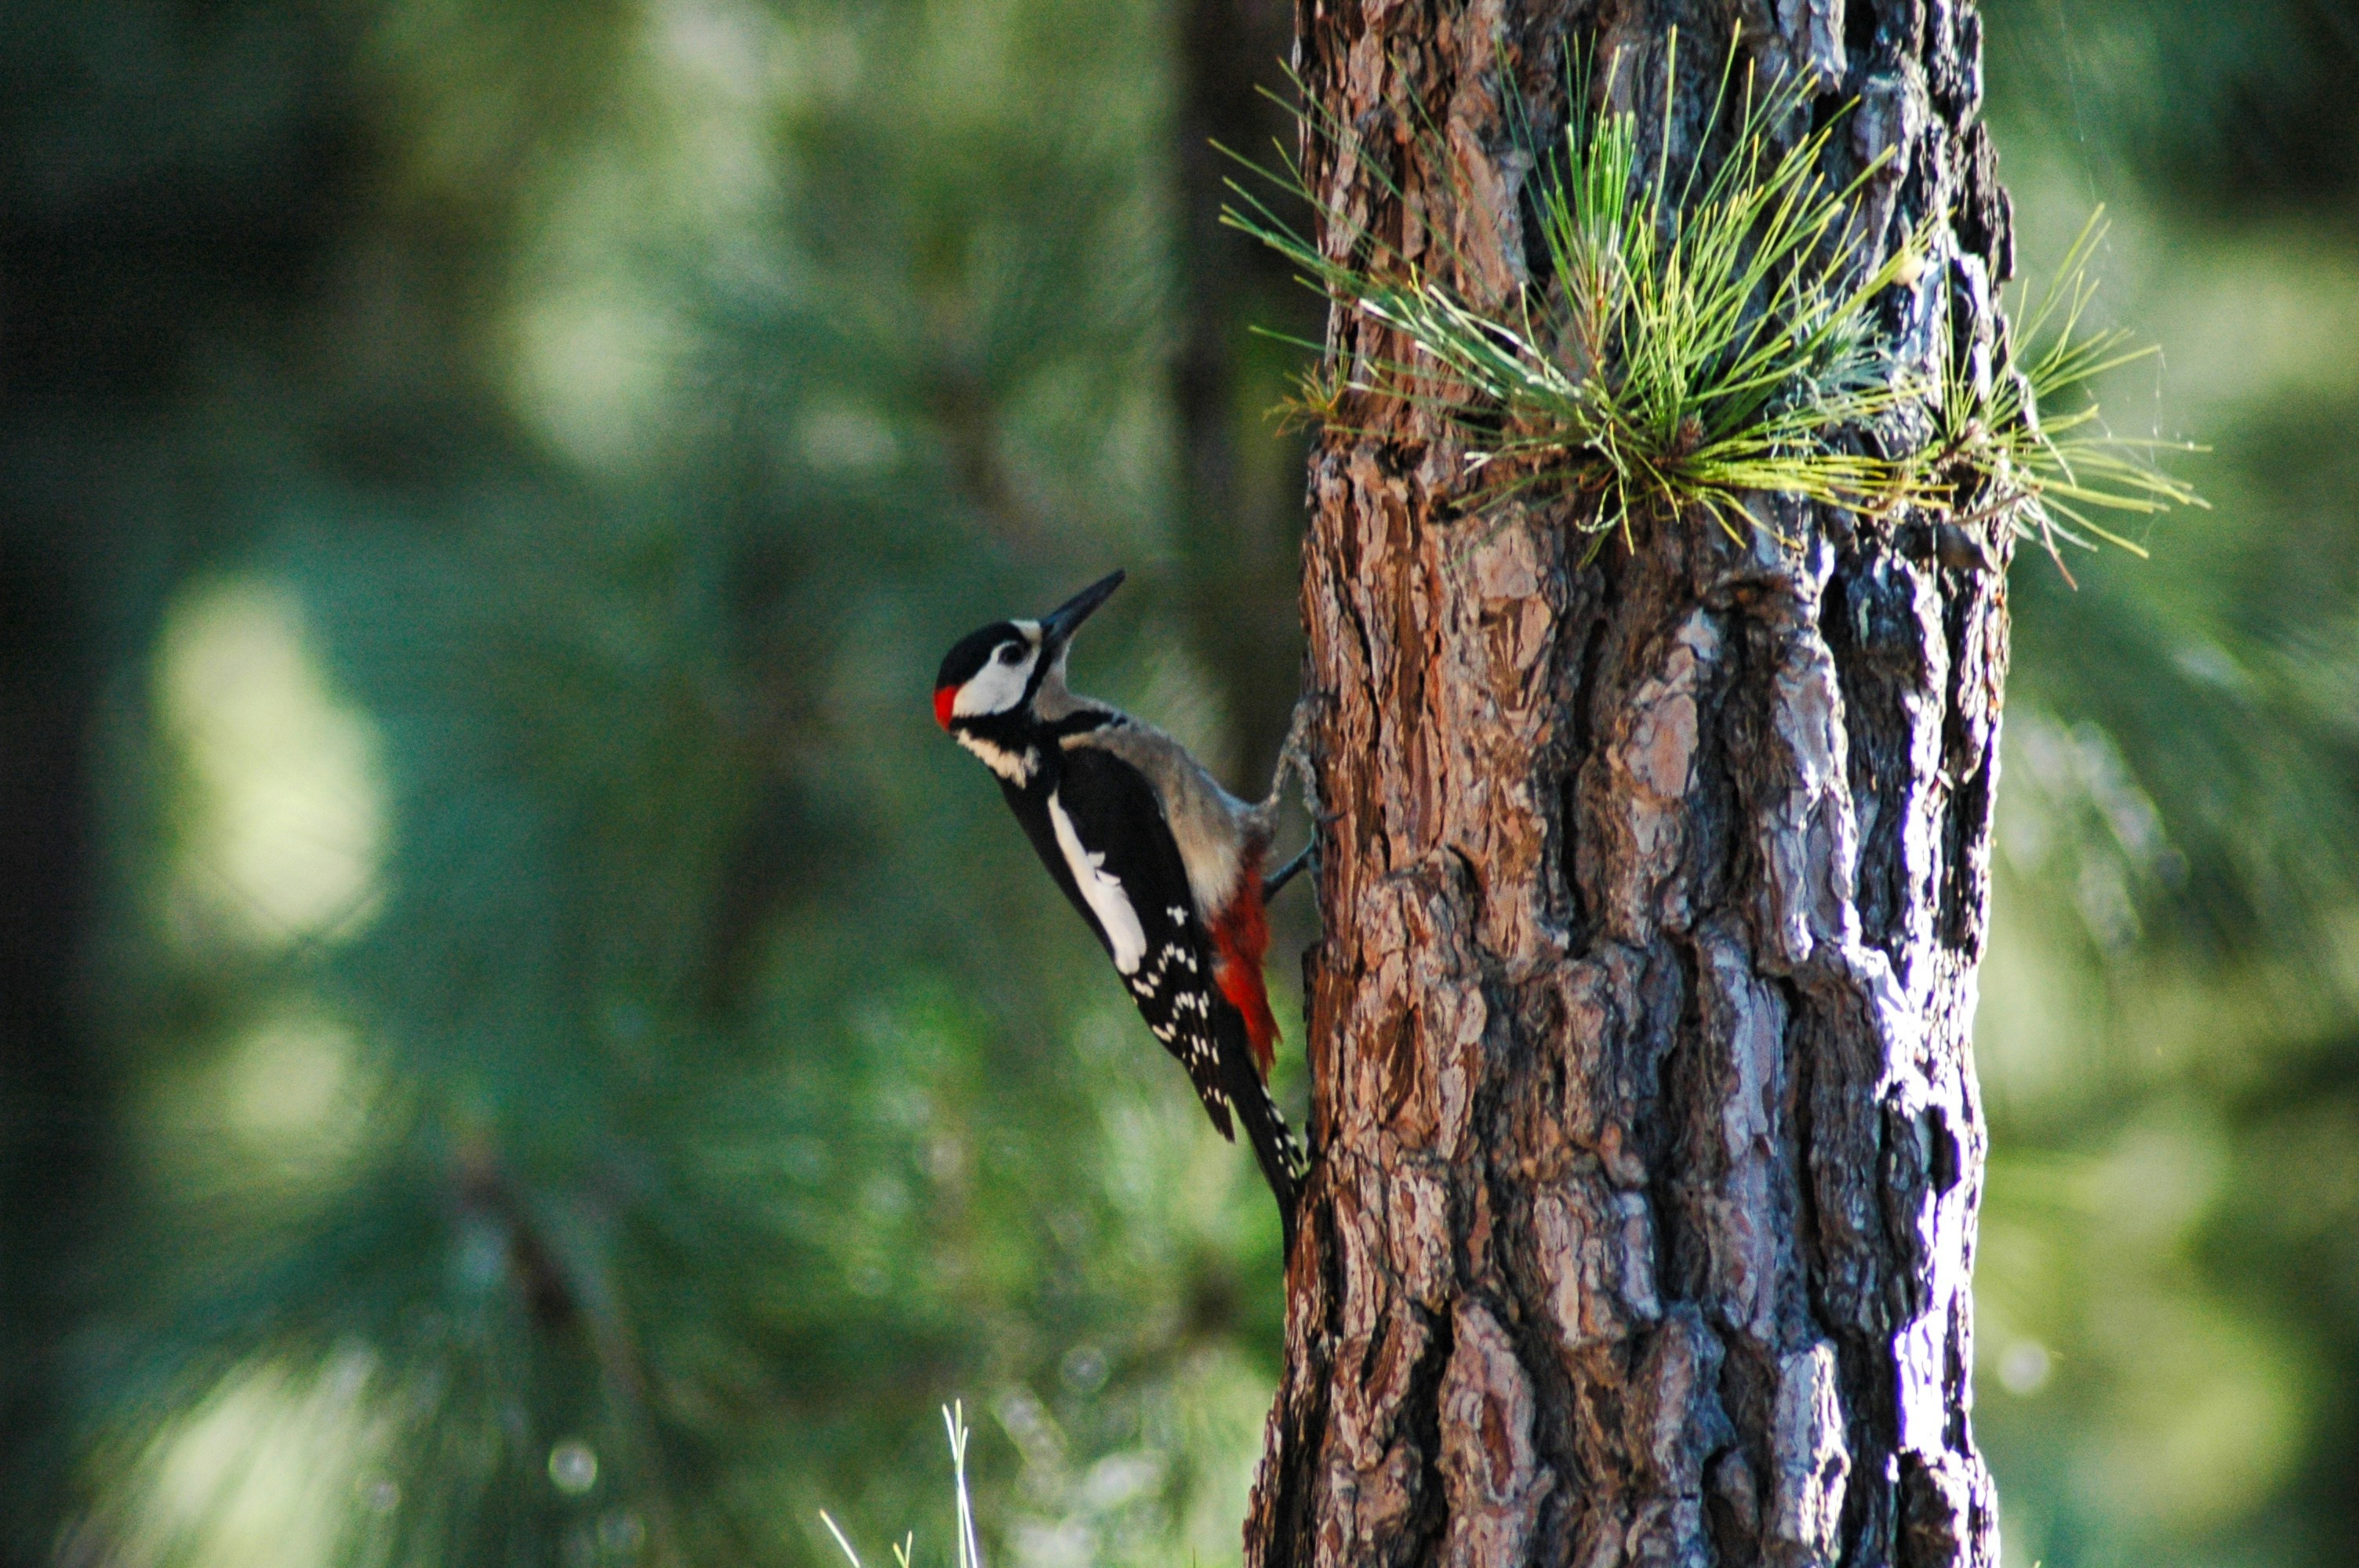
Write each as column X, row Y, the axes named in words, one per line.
column 2168, row 1287
column 584, row 1069
column 561, row 1063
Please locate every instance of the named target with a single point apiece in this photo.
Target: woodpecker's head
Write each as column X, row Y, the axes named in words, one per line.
column 999, row 671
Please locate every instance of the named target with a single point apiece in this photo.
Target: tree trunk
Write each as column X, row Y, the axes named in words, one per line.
column 1648, row 1148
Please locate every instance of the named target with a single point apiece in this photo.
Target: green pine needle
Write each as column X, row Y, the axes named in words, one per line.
column 2003, row 451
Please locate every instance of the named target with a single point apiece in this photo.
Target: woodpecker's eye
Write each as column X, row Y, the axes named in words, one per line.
column 1011, row 653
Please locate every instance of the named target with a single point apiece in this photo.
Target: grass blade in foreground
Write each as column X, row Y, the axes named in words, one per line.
column 970, row 1550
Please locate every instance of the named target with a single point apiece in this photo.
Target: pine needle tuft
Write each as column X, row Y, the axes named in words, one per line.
column 1695, row 344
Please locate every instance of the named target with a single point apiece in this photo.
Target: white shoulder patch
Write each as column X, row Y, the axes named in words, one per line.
column 1100, row 891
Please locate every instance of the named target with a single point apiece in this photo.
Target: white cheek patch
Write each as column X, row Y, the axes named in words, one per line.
column 997, row 687
column 1102, row 893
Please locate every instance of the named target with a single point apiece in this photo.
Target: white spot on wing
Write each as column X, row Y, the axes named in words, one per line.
column 1102, row 893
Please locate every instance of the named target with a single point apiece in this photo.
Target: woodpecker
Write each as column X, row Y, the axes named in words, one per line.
column 1163, row 864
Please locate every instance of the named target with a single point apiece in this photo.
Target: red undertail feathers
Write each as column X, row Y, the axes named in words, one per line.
column 1241, row 934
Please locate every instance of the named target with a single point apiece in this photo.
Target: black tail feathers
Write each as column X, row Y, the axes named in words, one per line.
column 1274, row 1148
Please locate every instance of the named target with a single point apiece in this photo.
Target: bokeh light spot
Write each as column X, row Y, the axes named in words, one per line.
column 282, row 816
column 2022, row 1368
column 573, row 1468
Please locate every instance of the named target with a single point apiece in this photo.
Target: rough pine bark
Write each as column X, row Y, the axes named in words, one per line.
column 1648, row 1148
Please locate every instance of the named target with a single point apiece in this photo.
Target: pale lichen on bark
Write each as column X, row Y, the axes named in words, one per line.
column 1646, row 1143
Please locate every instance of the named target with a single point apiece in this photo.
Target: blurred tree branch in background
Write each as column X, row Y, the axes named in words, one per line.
column 1243, row 497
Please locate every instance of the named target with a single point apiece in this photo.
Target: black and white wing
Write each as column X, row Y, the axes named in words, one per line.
column 1105, row 840
column 1116, row 860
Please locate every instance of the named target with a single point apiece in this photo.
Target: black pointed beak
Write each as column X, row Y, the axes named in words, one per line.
column 1058, row 625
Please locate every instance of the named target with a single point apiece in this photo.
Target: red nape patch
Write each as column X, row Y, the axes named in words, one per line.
column 943, row 700
column 1241, row 933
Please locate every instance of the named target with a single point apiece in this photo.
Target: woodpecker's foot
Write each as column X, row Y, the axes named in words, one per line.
column 1273, row 883
column 1294, row 757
